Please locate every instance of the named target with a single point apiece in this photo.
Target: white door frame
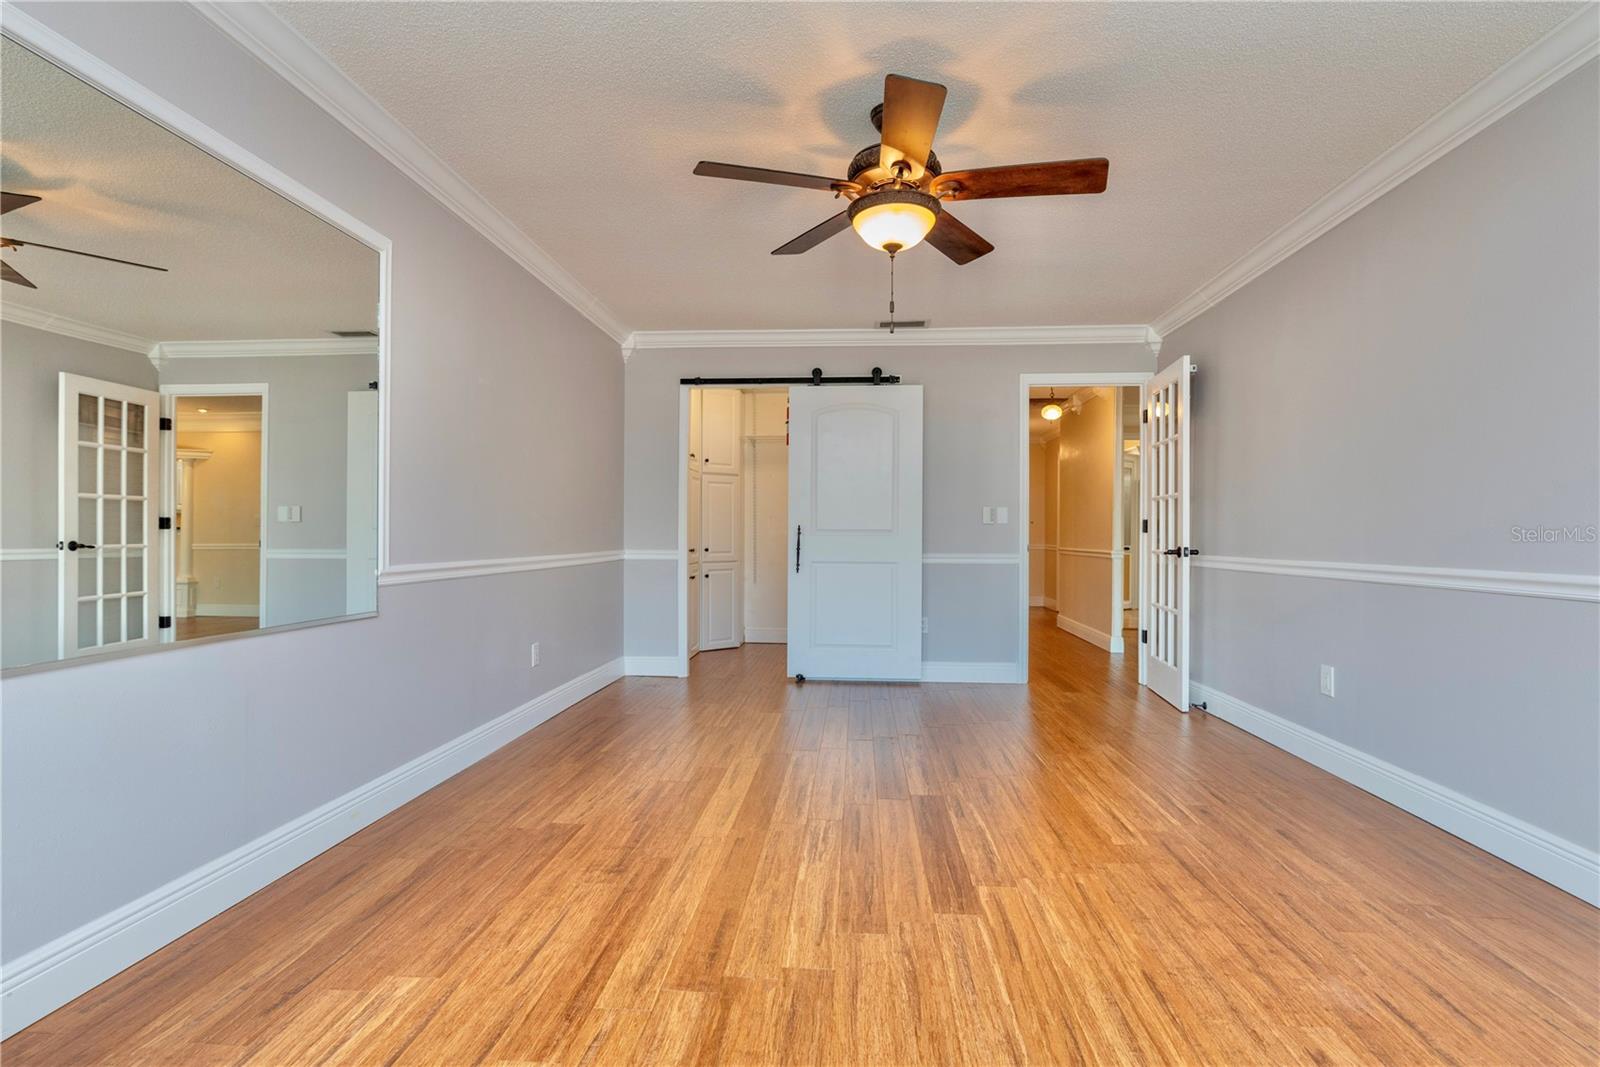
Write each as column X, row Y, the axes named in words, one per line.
column 169, row 459
column 682, row 569
column 1027, row 382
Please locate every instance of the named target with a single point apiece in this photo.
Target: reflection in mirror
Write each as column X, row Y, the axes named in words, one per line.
column 188, row 376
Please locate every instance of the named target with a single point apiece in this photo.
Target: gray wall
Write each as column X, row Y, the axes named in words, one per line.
column 30, row 364
column 306, row 441
column 971, row 446
column 506, row 441
column 1404, row 391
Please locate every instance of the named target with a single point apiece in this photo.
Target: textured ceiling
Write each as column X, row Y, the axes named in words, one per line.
column 1222, row 121
column 242, row 262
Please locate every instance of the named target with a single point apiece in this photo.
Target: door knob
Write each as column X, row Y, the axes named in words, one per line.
column 73, row 546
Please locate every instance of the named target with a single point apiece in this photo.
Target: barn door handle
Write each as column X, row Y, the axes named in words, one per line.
column 797, row 550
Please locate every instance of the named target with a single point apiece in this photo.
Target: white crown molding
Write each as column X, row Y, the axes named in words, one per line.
column 11, row 311
column 259, row 31
column 1558, row 53
column 262, row 349
column 1582, row 587
column 933, row 336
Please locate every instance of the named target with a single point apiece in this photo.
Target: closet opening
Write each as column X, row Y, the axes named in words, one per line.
column 737, row 460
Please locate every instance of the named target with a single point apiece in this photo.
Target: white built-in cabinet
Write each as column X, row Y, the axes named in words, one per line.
column 720, row 445
column 714, row 521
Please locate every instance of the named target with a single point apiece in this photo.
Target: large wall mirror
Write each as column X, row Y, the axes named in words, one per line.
column 188, row 388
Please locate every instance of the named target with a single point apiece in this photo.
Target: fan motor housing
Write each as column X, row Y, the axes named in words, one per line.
column 865, row 164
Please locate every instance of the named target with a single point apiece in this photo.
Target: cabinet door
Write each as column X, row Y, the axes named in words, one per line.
column 694, row 608
column 720, row 430
column 719, row 617
column 719, row 518
column 696, row 521
column 696, row 427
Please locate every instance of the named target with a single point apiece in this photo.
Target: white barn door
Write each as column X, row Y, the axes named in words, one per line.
column 855, row 532
column 1164, row 509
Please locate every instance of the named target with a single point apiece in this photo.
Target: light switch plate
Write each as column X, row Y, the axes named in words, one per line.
column 1002, row 516
column 1326, row 681
column 988, row 516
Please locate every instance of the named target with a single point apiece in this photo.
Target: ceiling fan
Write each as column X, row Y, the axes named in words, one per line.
column 10, row 202
column 896, row 188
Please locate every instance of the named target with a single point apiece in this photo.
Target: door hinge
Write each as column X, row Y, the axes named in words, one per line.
column 1144, row 525
column 166, row 423
column 1144, row 637
column 1146, row 413
column 164, row 622
column 164, row 522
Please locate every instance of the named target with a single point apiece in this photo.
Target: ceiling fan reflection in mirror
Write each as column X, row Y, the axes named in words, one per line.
column 10, row 202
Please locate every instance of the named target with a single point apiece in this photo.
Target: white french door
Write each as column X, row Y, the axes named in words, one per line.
column 1164, row 561
column 106, row 513
column 855, row 517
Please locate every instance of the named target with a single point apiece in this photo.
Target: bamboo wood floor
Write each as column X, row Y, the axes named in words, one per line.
column 731, row 869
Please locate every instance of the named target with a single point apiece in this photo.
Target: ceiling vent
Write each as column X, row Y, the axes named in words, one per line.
column 354, row 333
column 913, row 324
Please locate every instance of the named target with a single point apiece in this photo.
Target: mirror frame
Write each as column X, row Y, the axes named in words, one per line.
column 45, row 42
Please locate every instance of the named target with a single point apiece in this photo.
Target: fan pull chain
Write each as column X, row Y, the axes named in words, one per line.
column 891, row 292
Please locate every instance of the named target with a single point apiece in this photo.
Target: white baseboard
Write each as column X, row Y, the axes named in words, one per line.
column 1005, row 673
column 766, row 635
column 1036, row 602
column 40, row 981
column 1090, row 634
column 227, row 609
column 1560, row 862
column 653, row 666
column 1049, row 603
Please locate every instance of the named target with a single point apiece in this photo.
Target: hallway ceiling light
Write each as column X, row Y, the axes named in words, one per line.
column 1051, row 412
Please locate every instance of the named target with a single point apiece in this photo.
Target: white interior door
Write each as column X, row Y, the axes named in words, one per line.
column 106, row 517
column 855, row 517
column 361, row 503
column 1164, row 559
column 719, row 598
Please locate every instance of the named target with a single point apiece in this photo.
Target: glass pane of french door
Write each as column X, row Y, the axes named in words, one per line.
column 105, row 575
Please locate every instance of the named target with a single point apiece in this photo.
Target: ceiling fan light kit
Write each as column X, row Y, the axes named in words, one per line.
column 894, row 219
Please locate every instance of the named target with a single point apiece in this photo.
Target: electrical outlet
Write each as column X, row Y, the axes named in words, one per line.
column 924, row 624
column 534, row 655
column 1327, row 680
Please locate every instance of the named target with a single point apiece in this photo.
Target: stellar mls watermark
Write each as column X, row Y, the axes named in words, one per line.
column 1550, row 535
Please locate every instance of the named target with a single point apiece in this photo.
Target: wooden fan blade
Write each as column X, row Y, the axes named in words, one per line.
column 8, row 273
column 815, row 236
column 1024, row 179
column 707, row 169
column 955, row 239
column 12, row 201
column 911, row 111
column 14, row 243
